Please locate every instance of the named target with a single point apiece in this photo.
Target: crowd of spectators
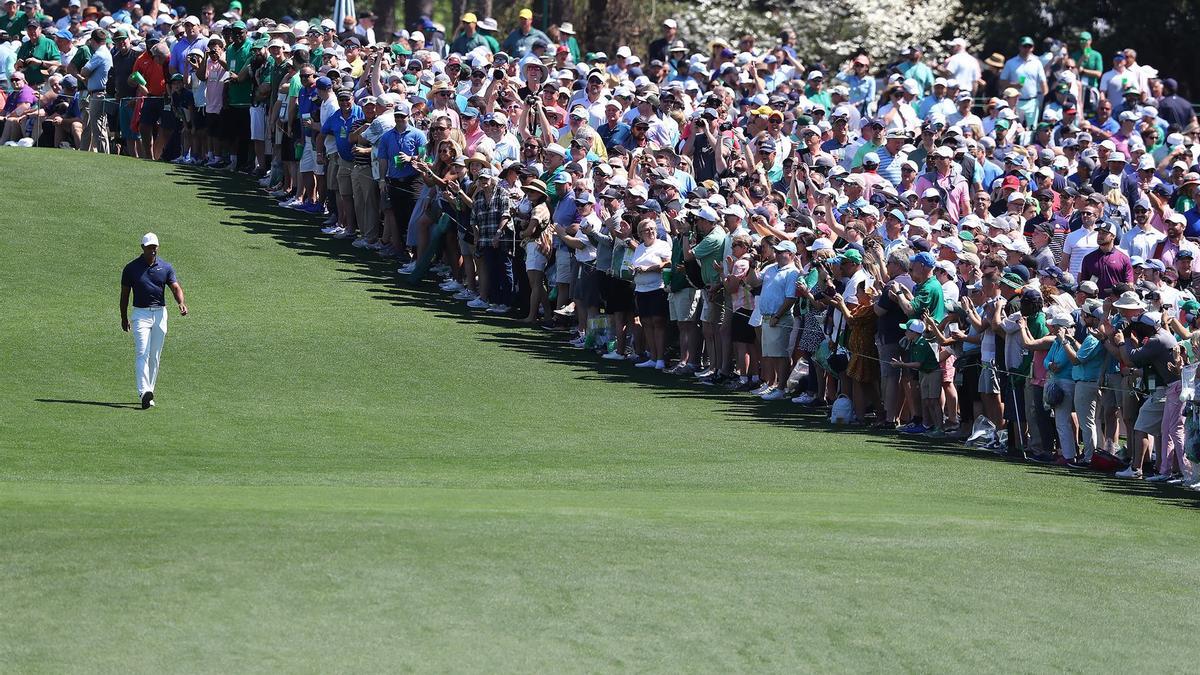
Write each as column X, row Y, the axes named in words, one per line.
column 996, row 251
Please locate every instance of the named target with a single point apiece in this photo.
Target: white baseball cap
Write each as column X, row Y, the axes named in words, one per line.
column 150, row 239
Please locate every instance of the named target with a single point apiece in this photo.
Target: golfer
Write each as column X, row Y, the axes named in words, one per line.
column 148, row 276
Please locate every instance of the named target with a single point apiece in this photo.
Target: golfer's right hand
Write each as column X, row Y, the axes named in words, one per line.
column 125, row 324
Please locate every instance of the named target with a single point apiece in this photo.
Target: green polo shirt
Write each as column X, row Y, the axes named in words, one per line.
column 711, row 249
column 1091, row 60
column 13, row 25
column 83, row 54
column 239, row 93
column 45, row 50
column 927, row 296
column 920, row 351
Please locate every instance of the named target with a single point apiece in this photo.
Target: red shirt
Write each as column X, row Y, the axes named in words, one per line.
column 154, row 73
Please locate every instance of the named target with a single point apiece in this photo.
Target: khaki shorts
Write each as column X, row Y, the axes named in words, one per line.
column 1111, row 395
column 715, row 305
column 989, row 379
column 775, row 338
column 345, row 177
column 931, row 384
column 331, row 171
column 683, row 304
column 1150, row 415
column 887, row 352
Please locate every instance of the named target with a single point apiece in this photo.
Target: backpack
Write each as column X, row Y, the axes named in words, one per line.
column 842, row 411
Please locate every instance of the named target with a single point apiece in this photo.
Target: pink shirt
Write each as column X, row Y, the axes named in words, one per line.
column 214, row 88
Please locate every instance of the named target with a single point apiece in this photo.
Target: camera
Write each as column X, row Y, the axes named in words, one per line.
column 498, row 74
column 531, row 100
column 726, row 126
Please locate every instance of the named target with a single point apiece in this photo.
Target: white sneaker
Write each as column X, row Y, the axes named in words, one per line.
column 465, row 294
column 407, row 269
column 360, row 243
column 648, row 363
column 343, row 235
column 634, row 357
column 804, row 399
column 1129, row 473
column 774, row 395
column 478, row 304
column 760, row 389
column 452, row 286
column 497, row 309
column 707, row 372
column 290, row 203
column 1159, row 478
column 330, row 229
column 613, row 356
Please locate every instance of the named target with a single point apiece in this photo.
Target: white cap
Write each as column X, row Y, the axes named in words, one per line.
column 150, row 239
column 821, row 245
column 1146, row 162
column 707, row 213
column 670, row 23
column 624, row 52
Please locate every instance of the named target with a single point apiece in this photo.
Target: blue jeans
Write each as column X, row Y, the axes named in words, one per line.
column 499, row 266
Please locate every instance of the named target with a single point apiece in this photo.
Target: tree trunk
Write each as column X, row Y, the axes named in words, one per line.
column 610, row 23
column 386, row 23
column 415, row 9
column 457, row 9
column 560, row 10
column 485, row 8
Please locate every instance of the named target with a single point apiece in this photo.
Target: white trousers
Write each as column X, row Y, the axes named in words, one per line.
column 149, row 328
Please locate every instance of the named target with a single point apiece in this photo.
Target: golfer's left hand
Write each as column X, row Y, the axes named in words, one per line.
column 183, row 310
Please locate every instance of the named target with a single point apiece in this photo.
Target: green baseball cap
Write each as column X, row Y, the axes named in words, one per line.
column 401, row 50
column 1026, row 41
column 966, row 235
column 238, row 25
column 261, row 43
column 852, row 255
column 1012, row 280
column 410, row 79
column 120, row 35
column 1190, row 306
column 236, row 4
column 1085, row 36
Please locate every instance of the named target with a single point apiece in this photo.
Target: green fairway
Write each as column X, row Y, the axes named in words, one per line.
column 344, row 473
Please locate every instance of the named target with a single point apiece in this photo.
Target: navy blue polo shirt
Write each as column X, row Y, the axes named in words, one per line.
column 148, row 282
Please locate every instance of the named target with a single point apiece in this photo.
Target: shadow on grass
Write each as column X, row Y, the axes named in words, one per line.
column 102, row 404
column 256, row 213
